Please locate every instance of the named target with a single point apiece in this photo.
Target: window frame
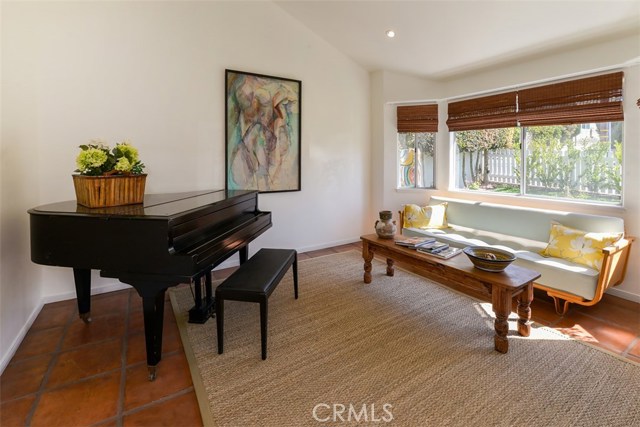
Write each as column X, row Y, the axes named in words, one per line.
column 597, row 98
column 398, row 166
column 524, row 173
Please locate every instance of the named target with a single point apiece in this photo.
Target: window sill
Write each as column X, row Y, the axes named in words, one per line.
column 538, row 202
column 414, row 190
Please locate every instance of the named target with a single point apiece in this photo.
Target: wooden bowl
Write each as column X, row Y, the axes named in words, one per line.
column 489, row 259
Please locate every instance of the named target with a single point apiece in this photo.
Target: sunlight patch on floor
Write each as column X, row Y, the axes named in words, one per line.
column 486, row 311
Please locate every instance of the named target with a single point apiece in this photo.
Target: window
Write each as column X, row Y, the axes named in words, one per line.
column 562, row 140
column 415, row 155
column 417, row 127
column 564, row 161
column 488, row 159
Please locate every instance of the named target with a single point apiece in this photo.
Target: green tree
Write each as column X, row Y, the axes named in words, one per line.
column 552, row 156
column 425, row 142
column 595, row 174
column 480, row 142
column 614, row 173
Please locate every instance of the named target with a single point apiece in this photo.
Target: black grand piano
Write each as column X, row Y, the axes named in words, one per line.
column 167, row 240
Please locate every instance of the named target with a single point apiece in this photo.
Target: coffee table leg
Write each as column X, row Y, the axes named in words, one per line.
column 524, row 310
column 501, row 300
column 367, row 254
column 390, row 270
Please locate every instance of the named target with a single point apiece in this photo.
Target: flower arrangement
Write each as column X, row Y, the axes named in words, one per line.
column 97, row 159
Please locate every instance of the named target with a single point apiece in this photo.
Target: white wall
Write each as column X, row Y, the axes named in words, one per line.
column 623, row 51
column 154, row 73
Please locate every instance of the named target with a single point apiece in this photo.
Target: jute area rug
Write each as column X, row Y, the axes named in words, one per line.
column 400, row 351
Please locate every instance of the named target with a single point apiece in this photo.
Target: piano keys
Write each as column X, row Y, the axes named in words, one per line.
column 167, row 240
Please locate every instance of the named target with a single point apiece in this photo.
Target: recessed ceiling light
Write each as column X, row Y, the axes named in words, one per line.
column 390, row 33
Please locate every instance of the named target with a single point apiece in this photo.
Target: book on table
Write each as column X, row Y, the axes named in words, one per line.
column 433, row 247
column 414, row 242
column 443, row 253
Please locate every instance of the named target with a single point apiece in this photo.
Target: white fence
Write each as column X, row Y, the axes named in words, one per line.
column 503, row 170
column 503, row 167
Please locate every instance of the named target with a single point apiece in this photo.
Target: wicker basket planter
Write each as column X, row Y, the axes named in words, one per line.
column 109, row 190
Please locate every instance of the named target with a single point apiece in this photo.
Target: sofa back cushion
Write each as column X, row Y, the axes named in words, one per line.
column 530, row 223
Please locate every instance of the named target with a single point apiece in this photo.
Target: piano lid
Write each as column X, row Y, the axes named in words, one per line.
column 170, row 235
column 154, row 205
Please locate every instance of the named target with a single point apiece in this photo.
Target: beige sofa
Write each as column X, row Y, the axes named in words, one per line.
column 525, row 232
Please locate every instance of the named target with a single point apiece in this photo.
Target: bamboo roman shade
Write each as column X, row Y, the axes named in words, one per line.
column 417, row 118
column 588, row 100
column 487, row 112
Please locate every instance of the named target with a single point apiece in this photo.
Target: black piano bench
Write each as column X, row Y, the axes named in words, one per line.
column 255, row 281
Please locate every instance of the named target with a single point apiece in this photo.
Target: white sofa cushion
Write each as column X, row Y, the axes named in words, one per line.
column 561, row 274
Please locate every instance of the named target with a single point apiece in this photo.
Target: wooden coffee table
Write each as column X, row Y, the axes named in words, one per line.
column 501, row 287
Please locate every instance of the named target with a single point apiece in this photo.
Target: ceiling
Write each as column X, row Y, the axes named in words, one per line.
column 444, row 39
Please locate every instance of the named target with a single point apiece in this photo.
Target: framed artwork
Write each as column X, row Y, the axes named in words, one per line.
column 262, row 132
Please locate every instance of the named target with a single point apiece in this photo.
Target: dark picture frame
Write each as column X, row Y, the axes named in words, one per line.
column 262, row 132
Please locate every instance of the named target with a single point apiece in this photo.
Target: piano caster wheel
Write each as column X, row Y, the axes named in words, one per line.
column 86, row 317
column 153, row 372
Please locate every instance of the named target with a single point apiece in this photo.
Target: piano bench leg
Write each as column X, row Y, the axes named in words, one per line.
column 295, row 276
column 220, row 322
column 263, row 327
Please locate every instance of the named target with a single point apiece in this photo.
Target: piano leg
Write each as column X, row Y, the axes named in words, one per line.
column 244, row 254
column 82, row 278
column 207, row 287
column 153, row 311
column 204, row 308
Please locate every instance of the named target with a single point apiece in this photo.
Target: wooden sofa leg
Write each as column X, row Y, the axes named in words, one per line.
column 556, row 302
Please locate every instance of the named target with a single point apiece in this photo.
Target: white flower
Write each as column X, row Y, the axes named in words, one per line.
column 580, row 244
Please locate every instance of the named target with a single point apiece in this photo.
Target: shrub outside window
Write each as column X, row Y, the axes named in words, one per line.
column 576, row 162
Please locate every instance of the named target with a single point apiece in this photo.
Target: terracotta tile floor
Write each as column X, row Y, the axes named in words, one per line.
column 66, row 373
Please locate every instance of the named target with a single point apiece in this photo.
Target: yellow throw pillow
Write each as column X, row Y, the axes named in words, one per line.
column 578, row 246
column 425, row 217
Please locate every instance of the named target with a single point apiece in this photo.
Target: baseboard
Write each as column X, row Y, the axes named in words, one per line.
column 6, row 357
column 624, row 294
column 328, row 245
column 111, row 287
column 231, row 262
column 116, row 286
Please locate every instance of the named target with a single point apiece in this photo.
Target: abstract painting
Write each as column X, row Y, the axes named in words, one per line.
column 262, row 132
